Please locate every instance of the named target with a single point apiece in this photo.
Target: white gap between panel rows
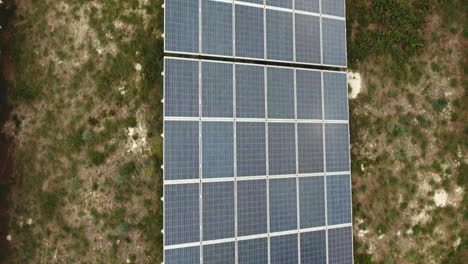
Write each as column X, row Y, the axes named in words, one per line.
column 264, row 235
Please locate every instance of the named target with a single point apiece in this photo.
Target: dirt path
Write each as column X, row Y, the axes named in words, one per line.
column 6, row 162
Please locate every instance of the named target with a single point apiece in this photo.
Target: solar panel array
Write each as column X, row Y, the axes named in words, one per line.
column 299, row 31
column 256, row 162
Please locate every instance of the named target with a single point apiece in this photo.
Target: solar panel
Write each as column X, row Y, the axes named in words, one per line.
column 284, row 249
column 312, row 201
column 249, row 32
column 340, row 245
column 279, row 33
column 308, row 49
column 218, row 210
column 337, row 147
column 338, row 199
column 281, row 148
column 280, row 92
column 219, row 253
column 252, row 207
column 333, row 7
column 182, row 213
column 251, row 146
column 307, row 5
column 335, row 90
column 250, row 91
column 310, row 147
column 280, row 3
column 218, row 149
column 309, row 94
column 188, row 255
column 299, row 31
column 256, row 164
column 181, row 78
column 217, row 91
column 181, row 148
column 216, row 28
column 334, row 42
column 253, row 251
column 283, row 204
column 181, row 26
column 313, row 247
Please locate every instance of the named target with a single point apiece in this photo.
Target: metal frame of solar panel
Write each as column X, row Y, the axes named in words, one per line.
column 308, row 32
column 256, row 164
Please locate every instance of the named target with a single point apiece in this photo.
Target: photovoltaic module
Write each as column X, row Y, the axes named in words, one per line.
column 256, row 156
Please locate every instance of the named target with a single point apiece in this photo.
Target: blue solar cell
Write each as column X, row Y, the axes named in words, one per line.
column 337, row 147
column 254, row 251
column 218, row 149
column 181, row 32
column 309, row 94
column 218, row 210
column 188, row 255
column 280, row 92
column 284, row 249
column 251, row 150
column 281, row 148
column 181, row 213
column 249, row 32
column 251, row 207
column 181, row 88
column 251, row 1
column 340, row 246
column 250, row 91
column 216, row 28
column 308, row 5
column 310, row 147
column 313, row 247
column 333, row 7
column 217, row 91
column 219, row 253
column 279, row 35
column 308, row 39
column 334, row 42
column 283, row 213
column 280, row 3
column 312, row 201
column 181, row 150
column 335, row 91
column 338, row 199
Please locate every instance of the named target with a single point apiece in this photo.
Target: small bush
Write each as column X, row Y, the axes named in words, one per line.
column 439, row 105
column 124, row 228
column 74, row 140
column 49, row 202
column 436, row 67
column 131, row 122
column 128, row 169
column 96, row 157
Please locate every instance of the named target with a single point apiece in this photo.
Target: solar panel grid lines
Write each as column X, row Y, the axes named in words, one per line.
column 236, row 205
column 287, row 35
column 298, row 208
column 200, row 138
column 324, row 162
column 290, row 118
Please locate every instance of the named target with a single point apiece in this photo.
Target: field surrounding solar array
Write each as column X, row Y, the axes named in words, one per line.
column 248, row 172
column 301, row 31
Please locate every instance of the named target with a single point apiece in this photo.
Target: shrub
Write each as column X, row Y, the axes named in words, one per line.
column 96, row 157
column 128, row 169
column 49, row 202
column 124, row 228
column 439, row 105
column 436, row 67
